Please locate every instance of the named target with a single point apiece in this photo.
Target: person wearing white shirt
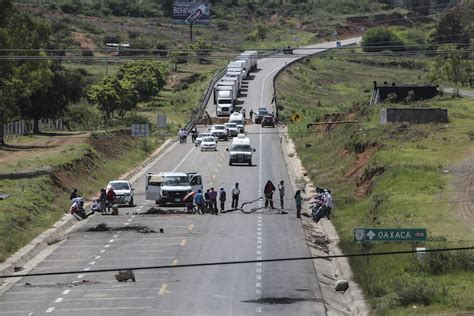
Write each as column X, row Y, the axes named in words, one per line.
column 327, row 198
column 235, row 195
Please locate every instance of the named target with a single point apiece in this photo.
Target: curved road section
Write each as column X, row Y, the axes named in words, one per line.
column 277, row 288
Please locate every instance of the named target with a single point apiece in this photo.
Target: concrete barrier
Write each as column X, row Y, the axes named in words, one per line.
column 414, row 115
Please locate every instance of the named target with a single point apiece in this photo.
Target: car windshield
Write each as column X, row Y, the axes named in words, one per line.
column 204, row 135
column 236, row 121
column 225, row 101
column 231, row 125
column 268, row 118
column 120, row 185
column 208, row 139
column 219, row 127
column 176, row 181
column 262, row 113
column 240, row 147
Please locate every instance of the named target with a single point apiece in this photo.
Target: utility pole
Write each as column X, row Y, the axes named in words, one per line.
column 191, row 32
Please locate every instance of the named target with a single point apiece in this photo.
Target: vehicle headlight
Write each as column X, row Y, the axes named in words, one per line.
column 164, row 194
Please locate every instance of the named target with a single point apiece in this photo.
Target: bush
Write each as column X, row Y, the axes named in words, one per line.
column 82, row 117
column 442, row 262
column 381, row 38
column 135, row 118
column 411, row 290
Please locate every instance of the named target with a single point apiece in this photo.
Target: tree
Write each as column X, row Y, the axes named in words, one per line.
column 451, row 29
column 453, row 67
column 146, row 78
column 66, row 87
column 202, row 49
column 20, row 79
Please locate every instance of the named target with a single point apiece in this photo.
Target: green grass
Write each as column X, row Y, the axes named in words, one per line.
column 416, row 189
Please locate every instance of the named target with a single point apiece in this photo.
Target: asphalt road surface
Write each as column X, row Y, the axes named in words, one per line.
column 279, row 288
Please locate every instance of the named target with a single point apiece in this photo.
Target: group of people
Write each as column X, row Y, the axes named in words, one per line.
column 183, row 135
column 321, row 205
column 268, row 193
column 103, row 204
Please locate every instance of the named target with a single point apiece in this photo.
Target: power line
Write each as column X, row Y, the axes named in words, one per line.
column 206, row 264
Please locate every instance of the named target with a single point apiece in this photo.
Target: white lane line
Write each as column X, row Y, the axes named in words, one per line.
column 259, row 264
column 258, row 277
column 87, row 269
column 258, row 270
column 259, row 246
column 102, row 251
column 107, row 246
column 258, row 284
column 50, row 310
column 259, row 241
column 129, row 220
column 58, row 300
column 259, row 233
column 258, row 309
column 259, row 224
column 115, row 236
column 111, row 241
column 259, row 229
column 97, row 257
column 258, row 292
column 133, row 216
column 259, row 252
column 259, row 258
column 184, row 158
column 127, row 224
column 66, row 292
column 92, row 263
column 80, row 276
column 163, row 289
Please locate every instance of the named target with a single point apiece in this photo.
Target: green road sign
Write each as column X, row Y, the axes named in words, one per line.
column 390, row 234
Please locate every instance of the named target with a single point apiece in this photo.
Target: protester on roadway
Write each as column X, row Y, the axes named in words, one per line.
column 111, row 196
column 199, row 201
column 207, row 200
column 235, row 195
column 213, row 199
column 281, row 189
column 298, row 201
column 73, row 194
column 222, row 197
column 268, row 192
column 103, row 200
column 251, row 114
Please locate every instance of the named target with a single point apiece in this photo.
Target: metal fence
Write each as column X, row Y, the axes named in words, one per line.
column 25, row 127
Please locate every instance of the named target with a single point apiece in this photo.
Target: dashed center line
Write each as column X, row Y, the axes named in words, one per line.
column 50, row 310
column 183, row 242
column 163, row 289
column 191, row 226
column 58, row 300
column 80, row 276
column 66, row 292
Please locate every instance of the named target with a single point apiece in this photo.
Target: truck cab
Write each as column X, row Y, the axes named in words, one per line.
column 169, row 188
column 240, row 150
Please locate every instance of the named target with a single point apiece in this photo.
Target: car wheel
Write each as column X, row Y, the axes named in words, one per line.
column 250, row 164
column 230, row 163
column 131, row 202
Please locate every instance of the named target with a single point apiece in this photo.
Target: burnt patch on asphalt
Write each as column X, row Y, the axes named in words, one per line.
column 279, row 300
column 59, row 285
column 104, row 228
column 162, row 211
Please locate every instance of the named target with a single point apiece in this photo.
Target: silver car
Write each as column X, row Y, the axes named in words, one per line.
column 123, row 191
column 232, row 129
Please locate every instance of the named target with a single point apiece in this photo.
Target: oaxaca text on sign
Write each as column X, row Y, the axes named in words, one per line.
column 390, row 234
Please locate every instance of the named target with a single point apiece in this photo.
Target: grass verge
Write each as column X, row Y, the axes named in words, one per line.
column 394, row 175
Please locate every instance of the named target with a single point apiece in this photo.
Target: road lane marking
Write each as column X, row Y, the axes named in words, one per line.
column 102, row 251
column 129, row 220
column 80, row 276
column 115, row 236
column 259, row 223
column 259, row 264
column 258, row 284
column 111, row 241
column 107, row 246
column 259, row 252
column 259, row 233
column 258, row 309
column 259, row 229
column 175, row 262
column 97, row 257
column 92, row 263
column 50, row 310
column 259, row 258
column 258, row 292
column 163, row 289
column 258, row 277
column 66, row 292
column 183, row 242
column 184, row 158
column 258, row 270
column 58, row 300
column 259, row 246
column 87, row 269
column 191, row 226
column 127, row 224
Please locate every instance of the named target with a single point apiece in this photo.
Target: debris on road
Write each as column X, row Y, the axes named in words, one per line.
column 104, row 228
column 125, row 275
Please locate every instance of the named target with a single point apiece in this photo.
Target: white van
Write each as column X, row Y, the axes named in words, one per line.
column 169, row 188
column 240, row 150
column 238, row 119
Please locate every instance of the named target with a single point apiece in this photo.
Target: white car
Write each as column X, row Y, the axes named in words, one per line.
column 123, row 191
column 232, row 129
column 219, row 131
column 209, row 143
column 198, row 139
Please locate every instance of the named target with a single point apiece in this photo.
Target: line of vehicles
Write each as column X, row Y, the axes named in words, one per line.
column 227, row 89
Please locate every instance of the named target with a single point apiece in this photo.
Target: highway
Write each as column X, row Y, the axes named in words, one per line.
column 280, row 288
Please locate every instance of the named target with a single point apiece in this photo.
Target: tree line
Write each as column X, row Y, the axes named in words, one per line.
column 38, row 89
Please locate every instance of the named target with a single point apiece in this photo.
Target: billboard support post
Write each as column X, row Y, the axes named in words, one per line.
column 191, row 32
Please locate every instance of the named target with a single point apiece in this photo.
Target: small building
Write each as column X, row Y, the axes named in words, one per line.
column 399, row 93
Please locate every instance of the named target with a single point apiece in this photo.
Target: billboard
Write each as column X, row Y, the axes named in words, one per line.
column 191, row 13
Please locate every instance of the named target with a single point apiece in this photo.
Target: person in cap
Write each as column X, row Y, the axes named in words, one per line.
column 213, row 199
column 222, row 197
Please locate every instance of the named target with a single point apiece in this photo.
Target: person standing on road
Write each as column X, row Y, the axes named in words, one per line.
column 235, row 195
column 110, row 198
column 103, row 200
column 194, row 134
column 243, row 113
column 281, row 190
column 199, row 201
column 268, row 192
column 213, row 199
column 298, row 201
column 207, row 200
column 73, row 194
column 222, row 198
column 180, row 135
column 251, row 114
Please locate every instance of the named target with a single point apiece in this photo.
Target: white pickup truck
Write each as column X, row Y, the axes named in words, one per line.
column 169, row 188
